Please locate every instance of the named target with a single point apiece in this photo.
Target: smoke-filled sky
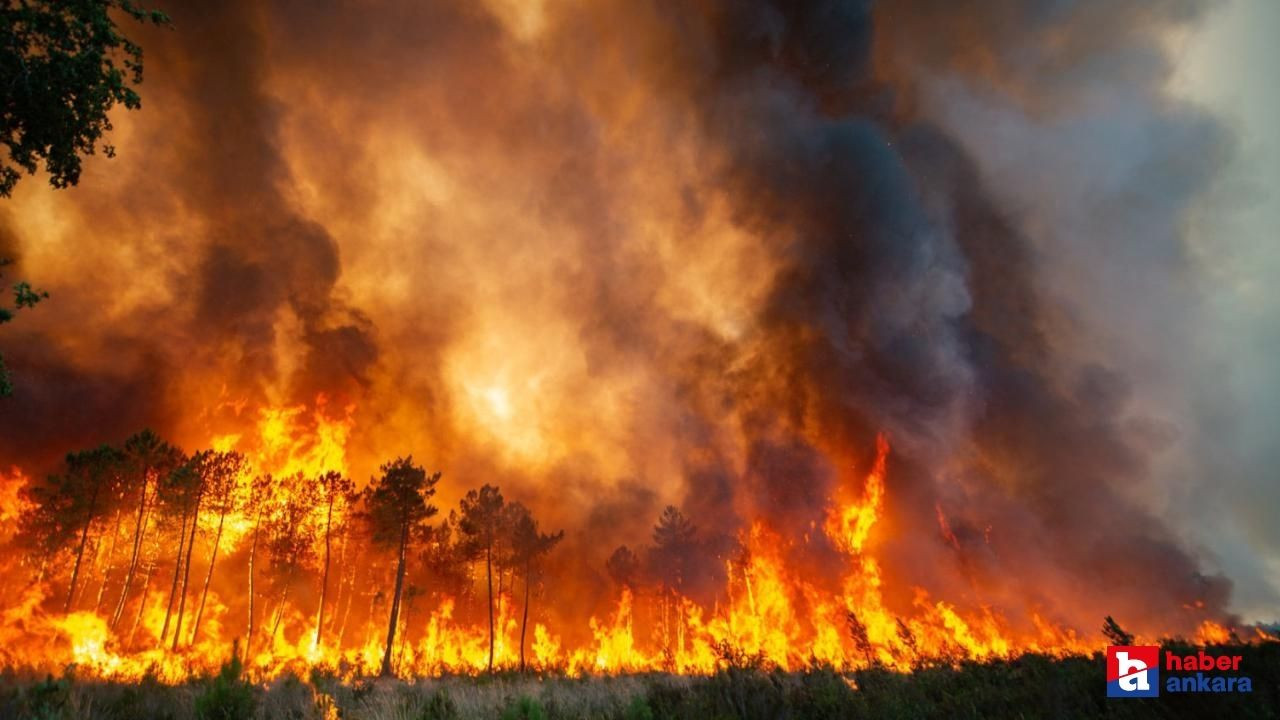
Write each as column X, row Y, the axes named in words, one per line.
column 1226, row 64
column 614, row 255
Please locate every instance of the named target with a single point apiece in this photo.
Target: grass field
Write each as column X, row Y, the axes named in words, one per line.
column 1028, row 687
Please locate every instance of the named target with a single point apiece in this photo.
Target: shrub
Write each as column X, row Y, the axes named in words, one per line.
column 228, row 696
column 639, row 709
column 439, row 707
column 524, row 708
column 50, row 699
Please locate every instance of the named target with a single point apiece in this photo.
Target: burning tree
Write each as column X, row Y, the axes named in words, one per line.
column 674, row 542
column 64, row 508
column 527, row 546
column 397, row 507
column 259, row 508
column 445, row 558
column 481, row 524
column 623, row 567
column 221, row 471
column 291, row 535
column 181, row 496
column 336, row 491
column 148, row 460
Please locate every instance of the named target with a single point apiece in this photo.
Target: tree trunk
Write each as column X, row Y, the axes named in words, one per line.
column 324, row 580
column 142, row 604
column 177, row 572
column 186, row 573
column 404, row 633
column 94, row 551
column 350, row 596
column 488, row 566
column 84, row 537
column 111, row 564
column 204, row 594
column 395, row 602
column 253, row 552
column 138, row 529
column 284, row 597
column 340, row 599
column 524, row 621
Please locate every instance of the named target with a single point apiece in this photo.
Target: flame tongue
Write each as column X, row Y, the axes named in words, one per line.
column 769, row 612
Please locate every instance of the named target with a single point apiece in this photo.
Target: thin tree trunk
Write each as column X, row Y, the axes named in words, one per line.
column 177, row 572
column 488, row 567
column 395, row 602
column 253, row 552
column 404, row 632
column 524, row 621
column 284, row 596
column 93, row 560
column 84, row 537
column 111, row 564
column 186, row 573
column 204, row 594
column 340, row 599
column 142, row 604
column 497, row 601
column 350, row 596
column 138, row 529
column 324, row 581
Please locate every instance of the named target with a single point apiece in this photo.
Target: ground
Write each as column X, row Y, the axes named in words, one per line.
column 1028, row 687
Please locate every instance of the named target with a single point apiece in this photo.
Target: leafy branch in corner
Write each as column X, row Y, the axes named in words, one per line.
column 24, row 297
column 64, row 64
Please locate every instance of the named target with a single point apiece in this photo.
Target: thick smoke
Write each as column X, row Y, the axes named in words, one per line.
column 618, row 255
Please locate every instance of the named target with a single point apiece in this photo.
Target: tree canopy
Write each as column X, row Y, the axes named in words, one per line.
column 64, row 64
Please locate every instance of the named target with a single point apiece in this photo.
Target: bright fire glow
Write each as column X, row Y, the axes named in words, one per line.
column 769, row 612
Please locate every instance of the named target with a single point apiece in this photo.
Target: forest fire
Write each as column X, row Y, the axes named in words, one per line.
column 729, row 338
column 275, row 557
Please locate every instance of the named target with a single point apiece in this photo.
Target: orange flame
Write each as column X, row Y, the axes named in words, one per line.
column 770, row 612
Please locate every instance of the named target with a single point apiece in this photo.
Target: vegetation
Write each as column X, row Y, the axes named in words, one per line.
column 66, row 64
column 397, row 510
column 115, row 516
column 527, row 546
column 1030, row 686
column 480, row 522
column 227, row 696
column 308, row 547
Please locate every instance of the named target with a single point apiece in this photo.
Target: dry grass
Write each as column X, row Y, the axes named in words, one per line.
column 464, row 697
column 1030, row 686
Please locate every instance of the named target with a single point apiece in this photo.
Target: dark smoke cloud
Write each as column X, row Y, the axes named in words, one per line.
column 903, row 302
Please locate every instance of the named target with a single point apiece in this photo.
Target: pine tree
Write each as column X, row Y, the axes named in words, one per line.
column 527, row 547
column 222, row 472
column 481, row 524
column 336, row 493
column 397, row 508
